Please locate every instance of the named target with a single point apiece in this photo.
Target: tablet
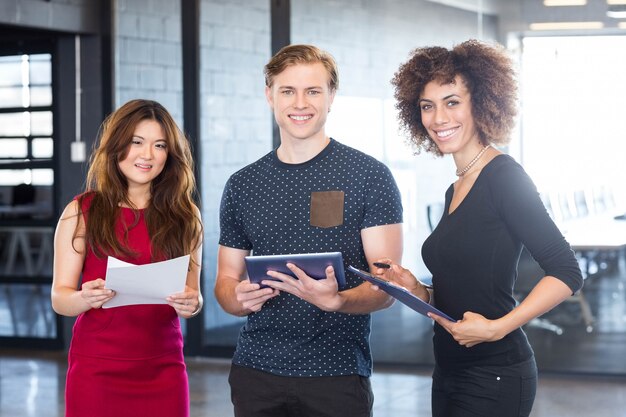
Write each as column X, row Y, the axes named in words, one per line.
column 402, row 295
column 314, row 264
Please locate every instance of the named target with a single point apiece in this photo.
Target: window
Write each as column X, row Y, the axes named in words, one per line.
column 26, row 128
column 26, row 198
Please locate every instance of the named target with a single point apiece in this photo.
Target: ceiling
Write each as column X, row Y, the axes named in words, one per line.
column 535, row 16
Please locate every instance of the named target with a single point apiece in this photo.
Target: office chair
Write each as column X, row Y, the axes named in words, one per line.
column 23, row 194
column 434, row 212
column 529, row 273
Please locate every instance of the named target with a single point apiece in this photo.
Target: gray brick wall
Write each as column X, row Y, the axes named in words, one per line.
column 235, row 121
column 79, row 16
column 148, row 57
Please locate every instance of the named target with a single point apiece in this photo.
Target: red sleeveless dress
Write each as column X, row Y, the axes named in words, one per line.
column 126, row 361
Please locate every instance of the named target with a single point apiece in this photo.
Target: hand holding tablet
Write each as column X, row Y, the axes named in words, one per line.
column 313, row 264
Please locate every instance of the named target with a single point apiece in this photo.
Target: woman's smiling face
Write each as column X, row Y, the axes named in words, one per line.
column 446, row 111
column 147, row 154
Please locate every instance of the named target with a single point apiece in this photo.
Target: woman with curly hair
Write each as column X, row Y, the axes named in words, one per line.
column 462, row 101
column 138, row 206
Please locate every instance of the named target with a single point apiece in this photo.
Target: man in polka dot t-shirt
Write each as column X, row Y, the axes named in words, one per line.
column 304, row 350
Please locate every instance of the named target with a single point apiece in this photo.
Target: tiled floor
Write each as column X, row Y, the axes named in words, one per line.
column 31, row 385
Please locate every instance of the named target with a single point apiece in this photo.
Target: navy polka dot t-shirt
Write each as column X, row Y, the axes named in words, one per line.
column 266, row 209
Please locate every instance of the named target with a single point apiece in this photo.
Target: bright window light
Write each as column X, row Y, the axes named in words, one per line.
column 572, row 91
column 550, row 3
column 616, row 15
column 566, row 25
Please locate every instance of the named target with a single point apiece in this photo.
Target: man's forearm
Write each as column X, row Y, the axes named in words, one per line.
column 363, row 300
column 227, row 298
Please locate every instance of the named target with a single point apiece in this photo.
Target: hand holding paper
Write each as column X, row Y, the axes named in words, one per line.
column 145, row 284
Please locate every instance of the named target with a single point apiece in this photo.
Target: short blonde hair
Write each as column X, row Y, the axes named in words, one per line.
column 301, row 54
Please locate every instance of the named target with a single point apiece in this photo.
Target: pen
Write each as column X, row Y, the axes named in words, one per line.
column 382, row 265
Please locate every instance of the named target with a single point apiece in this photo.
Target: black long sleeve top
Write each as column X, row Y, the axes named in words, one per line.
column 473, row 255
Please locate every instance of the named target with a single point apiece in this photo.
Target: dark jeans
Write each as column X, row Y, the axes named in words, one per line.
column 487, row 391
column 261, row 394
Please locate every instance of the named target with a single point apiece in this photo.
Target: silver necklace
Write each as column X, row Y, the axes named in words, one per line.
column 460, row 173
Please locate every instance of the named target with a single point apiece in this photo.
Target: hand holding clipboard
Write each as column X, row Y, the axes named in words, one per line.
column 401, row 294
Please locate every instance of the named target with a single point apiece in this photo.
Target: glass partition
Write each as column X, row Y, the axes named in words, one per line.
column 572, row 89
column 26, row 197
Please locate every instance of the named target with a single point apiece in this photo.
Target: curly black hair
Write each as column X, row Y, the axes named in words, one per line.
column 489, row 76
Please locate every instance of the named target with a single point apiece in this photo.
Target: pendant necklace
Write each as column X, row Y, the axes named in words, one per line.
column 460, row 173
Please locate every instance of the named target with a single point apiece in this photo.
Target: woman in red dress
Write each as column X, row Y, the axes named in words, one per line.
column 138, row 207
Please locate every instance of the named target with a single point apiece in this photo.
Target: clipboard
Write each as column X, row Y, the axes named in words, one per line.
column 313, row 264
column 400, row 294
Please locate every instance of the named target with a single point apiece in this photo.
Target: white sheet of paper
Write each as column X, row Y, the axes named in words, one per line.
column 145, row 284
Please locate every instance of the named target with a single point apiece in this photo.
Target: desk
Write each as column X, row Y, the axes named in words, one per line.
column 38, row 210
column 590, row 237
column 27, row 251
column 19, row 240
column 595, row 234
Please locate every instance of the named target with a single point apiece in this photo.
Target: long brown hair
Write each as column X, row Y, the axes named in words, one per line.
column 171, row 216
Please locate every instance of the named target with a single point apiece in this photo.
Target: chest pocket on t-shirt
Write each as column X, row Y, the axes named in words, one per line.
column 327, row 208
